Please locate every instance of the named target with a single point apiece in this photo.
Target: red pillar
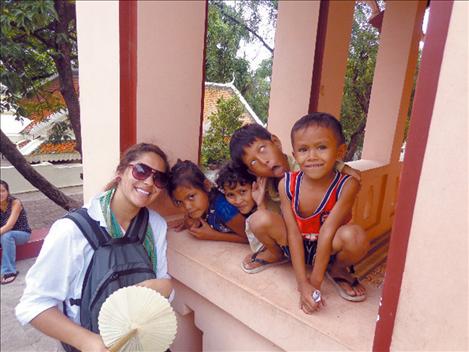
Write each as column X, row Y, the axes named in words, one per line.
column 128, row 73
column 427, row 84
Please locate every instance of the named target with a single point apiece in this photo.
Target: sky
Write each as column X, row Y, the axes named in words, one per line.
column 255, row 52
column 9, row 125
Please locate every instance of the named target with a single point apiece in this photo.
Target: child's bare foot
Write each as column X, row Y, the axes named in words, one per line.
column 262, row 259
column 346, row 284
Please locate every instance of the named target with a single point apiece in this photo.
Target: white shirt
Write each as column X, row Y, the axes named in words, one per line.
column 59, row 270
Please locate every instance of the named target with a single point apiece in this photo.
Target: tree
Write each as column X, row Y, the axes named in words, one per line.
column 35, row 178
column 358, row 79
column 228, row 26
column 223, row 123
column 38, row 40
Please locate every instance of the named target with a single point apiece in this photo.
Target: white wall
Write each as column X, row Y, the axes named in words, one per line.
column 59, row 175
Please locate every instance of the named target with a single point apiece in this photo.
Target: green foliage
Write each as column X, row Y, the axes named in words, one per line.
column 257, row 93
column 223, row 123
column 228, row 27
column 31, row 44
column 61, row 132
column 359, row 76
column 223, row 41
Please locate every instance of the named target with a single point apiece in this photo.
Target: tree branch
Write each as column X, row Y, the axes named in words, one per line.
column 235, row 20
column 47, row 43
column 35, row 178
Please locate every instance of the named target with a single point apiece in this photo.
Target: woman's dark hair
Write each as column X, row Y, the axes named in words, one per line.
column 320, row 119
column 186, row 173
column 133, row 153
column 243, row 137
column 5, row 185
column 231, row 174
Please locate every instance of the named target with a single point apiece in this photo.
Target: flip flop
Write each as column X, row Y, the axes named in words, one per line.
column 264, row 264
column 9, row 278
column 336, row 282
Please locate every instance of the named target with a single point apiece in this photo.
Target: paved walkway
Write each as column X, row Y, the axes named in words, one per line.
column 14, row 337
column 42, row 212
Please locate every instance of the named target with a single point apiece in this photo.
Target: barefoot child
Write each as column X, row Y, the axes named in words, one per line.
column 242, row 191
column 208, row 216
column 316, row 204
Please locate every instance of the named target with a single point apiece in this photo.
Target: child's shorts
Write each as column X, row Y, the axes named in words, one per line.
column 309, row 248
column 310, row 251
column 254, row 243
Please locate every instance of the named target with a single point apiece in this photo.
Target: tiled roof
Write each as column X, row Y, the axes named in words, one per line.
column 37, row 150
column 56, row 148
column 36, row 127
column 215, row 91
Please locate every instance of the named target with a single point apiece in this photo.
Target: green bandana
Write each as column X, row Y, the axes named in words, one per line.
column 115, row 229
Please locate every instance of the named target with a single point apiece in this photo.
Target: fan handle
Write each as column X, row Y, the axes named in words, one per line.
column 122, row 341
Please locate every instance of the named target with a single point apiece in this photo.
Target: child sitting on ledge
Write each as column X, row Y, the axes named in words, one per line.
column 242, row 191
column 208, row 216
column 316, row 203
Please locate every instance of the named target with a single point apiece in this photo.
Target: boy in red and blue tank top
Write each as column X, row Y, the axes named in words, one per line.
column 316, row 204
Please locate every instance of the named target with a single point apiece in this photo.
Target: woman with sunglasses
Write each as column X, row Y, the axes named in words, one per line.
column 59, row 271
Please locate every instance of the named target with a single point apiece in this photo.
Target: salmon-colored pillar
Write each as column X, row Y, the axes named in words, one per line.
column 170, row 79
column 393, row 80
column 292, row 71
column 170, row 61
column 334, row 57
column 433, row 300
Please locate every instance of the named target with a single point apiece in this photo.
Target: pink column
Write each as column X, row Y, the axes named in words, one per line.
column 393, row 80
column 334, row 58
column 292, row 70
column 171, row 41
column 170, row 79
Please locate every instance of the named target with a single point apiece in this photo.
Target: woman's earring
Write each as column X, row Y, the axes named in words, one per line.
column 118, row 179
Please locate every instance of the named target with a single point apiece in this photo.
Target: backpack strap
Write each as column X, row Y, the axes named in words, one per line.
column 138, row 227
column 90, row 228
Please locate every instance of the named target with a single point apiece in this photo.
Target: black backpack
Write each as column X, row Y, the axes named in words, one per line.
column 116, row 263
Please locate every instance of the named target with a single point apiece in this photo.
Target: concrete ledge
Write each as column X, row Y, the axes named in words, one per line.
column 263, row 304
column 31, row 248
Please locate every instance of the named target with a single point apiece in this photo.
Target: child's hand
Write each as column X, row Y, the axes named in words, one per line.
column 182, row 224
column 258, row 190
column 356, row 174
column 307, row 304
column 177, row 225
column 201, row 231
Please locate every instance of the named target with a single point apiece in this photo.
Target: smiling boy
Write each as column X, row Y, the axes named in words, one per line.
column 265, row 229
column 316, row 204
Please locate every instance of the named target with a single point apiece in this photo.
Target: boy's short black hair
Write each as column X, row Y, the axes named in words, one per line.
column 321, row 119
column 244, row 137
column 231, row 174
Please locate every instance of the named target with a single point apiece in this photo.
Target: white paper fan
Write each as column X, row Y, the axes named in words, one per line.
column 137, row 318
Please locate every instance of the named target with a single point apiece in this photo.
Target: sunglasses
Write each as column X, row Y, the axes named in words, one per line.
column 141, row 172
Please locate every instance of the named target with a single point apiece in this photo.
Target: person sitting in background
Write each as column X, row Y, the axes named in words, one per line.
column 14, row 230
